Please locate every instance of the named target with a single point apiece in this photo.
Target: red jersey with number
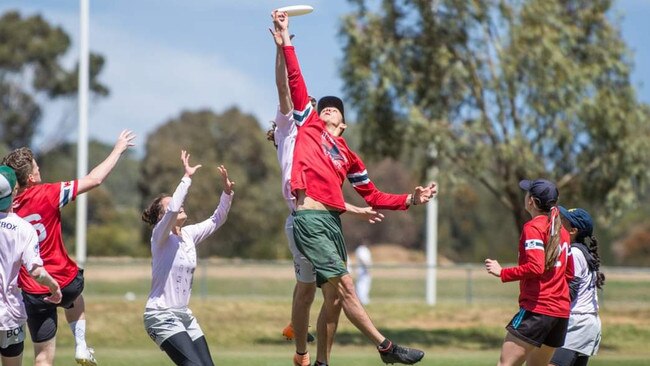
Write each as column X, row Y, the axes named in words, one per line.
column 40, row 206
column 322, row 161
column 543, row 292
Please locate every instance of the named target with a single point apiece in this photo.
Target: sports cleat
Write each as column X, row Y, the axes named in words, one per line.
column 301, row 360
column 86, row 357
column 399, row 354
column 288, row 333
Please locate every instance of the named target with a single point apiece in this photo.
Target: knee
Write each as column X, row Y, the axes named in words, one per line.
column 305, row 294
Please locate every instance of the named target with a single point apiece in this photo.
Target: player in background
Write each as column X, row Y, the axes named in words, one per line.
column 167, row 318
column 18, row 246
column 321, row 162
column 364, row 279
column 40, row 204
column 544, row 269
column 583, row 333
column 283, row 134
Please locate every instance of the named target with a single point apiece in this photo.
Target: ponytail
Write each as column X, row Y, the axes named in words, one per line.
column 152, row 214
column 592, row 244
column 554, row 227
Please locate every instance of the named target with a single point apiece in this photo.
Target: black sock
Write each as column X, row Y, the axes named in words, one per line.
column 385, row 345
column 302, row 353
column 318, row 363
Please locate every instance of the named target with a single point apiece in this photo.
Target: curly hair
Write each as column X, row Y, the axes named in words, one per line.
column 21, row 161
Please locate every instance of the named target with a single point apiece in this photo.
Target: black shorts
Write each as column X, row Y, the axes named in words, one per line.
column 42, row 316
column 538, row 329
column 567, row 357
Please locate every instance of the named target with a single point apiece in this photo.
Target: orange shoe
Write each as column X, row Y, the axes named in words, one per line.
column 301, row 360
column 287, row 332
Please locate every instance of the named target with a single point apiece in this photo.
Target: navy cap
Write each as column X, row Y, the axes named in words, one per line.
column 579, row 219
column 331, row 101
column 545, row 191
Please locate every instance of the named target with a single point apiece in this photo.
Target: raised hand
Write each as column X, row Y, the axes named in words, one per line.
column 189, row 170
column 227, row 183
column 124, row 141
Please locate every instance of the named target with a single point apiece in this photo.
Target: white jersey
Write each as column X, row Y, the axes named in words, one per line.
column 586, row 300
column 173, row 257
column 18, row 246
column 285, row 138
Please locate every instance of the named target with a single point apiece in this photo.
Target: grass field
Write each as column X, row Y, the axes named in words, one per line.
column 243, row 308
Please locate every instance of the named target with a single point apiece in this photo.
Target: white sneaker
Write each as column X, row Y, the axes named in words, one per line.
column 86, row 357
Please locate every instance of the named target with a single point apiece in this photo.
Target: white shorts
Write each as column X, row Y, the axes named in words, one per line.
column 9, row 337
column 162, row 324
column 304, row 269
column 583, row 334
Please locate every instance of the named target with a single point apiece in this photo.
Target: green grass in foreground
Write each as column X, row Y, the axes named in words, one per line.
column 247, row 332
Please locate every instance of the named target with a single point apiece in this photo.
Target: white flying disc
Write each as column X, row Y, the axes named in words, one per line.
column 295, row 10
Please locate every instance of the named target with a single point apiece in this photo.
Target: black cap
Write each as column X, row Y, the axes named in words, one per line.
column 331, row 101
column 545, row 191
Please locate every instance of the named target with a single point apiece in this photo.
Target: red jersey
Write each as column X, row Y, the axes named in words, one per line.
column 543, row 292
column 321, row 161
column 40, row 206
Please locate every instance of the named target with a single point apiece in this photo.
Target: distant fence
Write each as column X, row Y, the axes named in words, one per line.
column 274, row 280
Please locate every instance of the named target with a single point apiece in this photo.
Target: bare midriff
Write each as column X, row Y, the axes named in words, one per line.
column 305, row 202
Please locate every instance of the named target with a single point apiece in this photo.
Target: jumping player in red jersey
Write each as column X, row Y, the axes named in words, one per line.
column 545, row 267
column 321, row 163
column 283, row 135
column 40, row 204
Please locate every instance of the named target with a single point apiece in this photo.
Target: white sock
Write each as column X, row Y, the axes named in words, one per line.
column 79, row 332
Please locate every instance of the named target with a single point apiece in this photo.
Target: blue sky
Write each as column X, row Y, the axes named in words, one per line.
column 166, row 56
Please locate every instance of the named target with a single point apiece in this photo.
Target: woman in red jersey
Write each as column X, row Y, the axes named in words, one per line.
column 544, row 269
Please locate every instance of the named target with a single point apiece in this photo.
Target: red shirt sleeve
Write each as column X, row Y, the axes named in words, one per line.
column 302, row 107
column 531, row 256
column 358, row 177
column 569, row 272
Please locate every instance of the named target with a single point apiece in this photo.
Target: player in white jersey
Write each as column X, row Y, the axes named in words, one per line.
column 167, row 318
column 584, row 329
column 18, row 246
column 283, row 135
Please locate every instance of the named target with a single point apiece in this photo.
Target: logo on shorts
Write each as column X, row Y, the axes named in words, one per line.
column 14, row 332
column 152, row 334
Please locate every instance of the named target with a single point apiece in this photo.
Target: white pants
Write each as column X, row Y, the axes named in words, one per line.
column 363, row 287
column 162, row 324
column 13, row 336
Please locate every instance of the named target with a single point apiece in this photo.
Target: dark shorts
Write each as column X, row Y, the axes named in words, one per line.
column 538, row 329
column 567, row 357
column 42, row 316
column 319, row 238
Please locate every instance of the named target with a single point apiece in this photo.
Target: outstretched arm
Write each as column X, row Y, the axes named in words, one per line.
column 299, row 97
column 281, row 80
column 206, row 228
column 164, row 226
column 101, row 171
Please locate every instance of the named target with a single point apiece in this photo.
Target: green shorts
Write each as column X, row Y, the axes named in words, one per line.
column 319, row 237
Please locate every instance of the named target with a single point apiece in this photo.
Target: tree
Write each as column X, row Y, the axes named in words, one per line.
column 30, row 65
column 501, row 91
column 256, row 220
